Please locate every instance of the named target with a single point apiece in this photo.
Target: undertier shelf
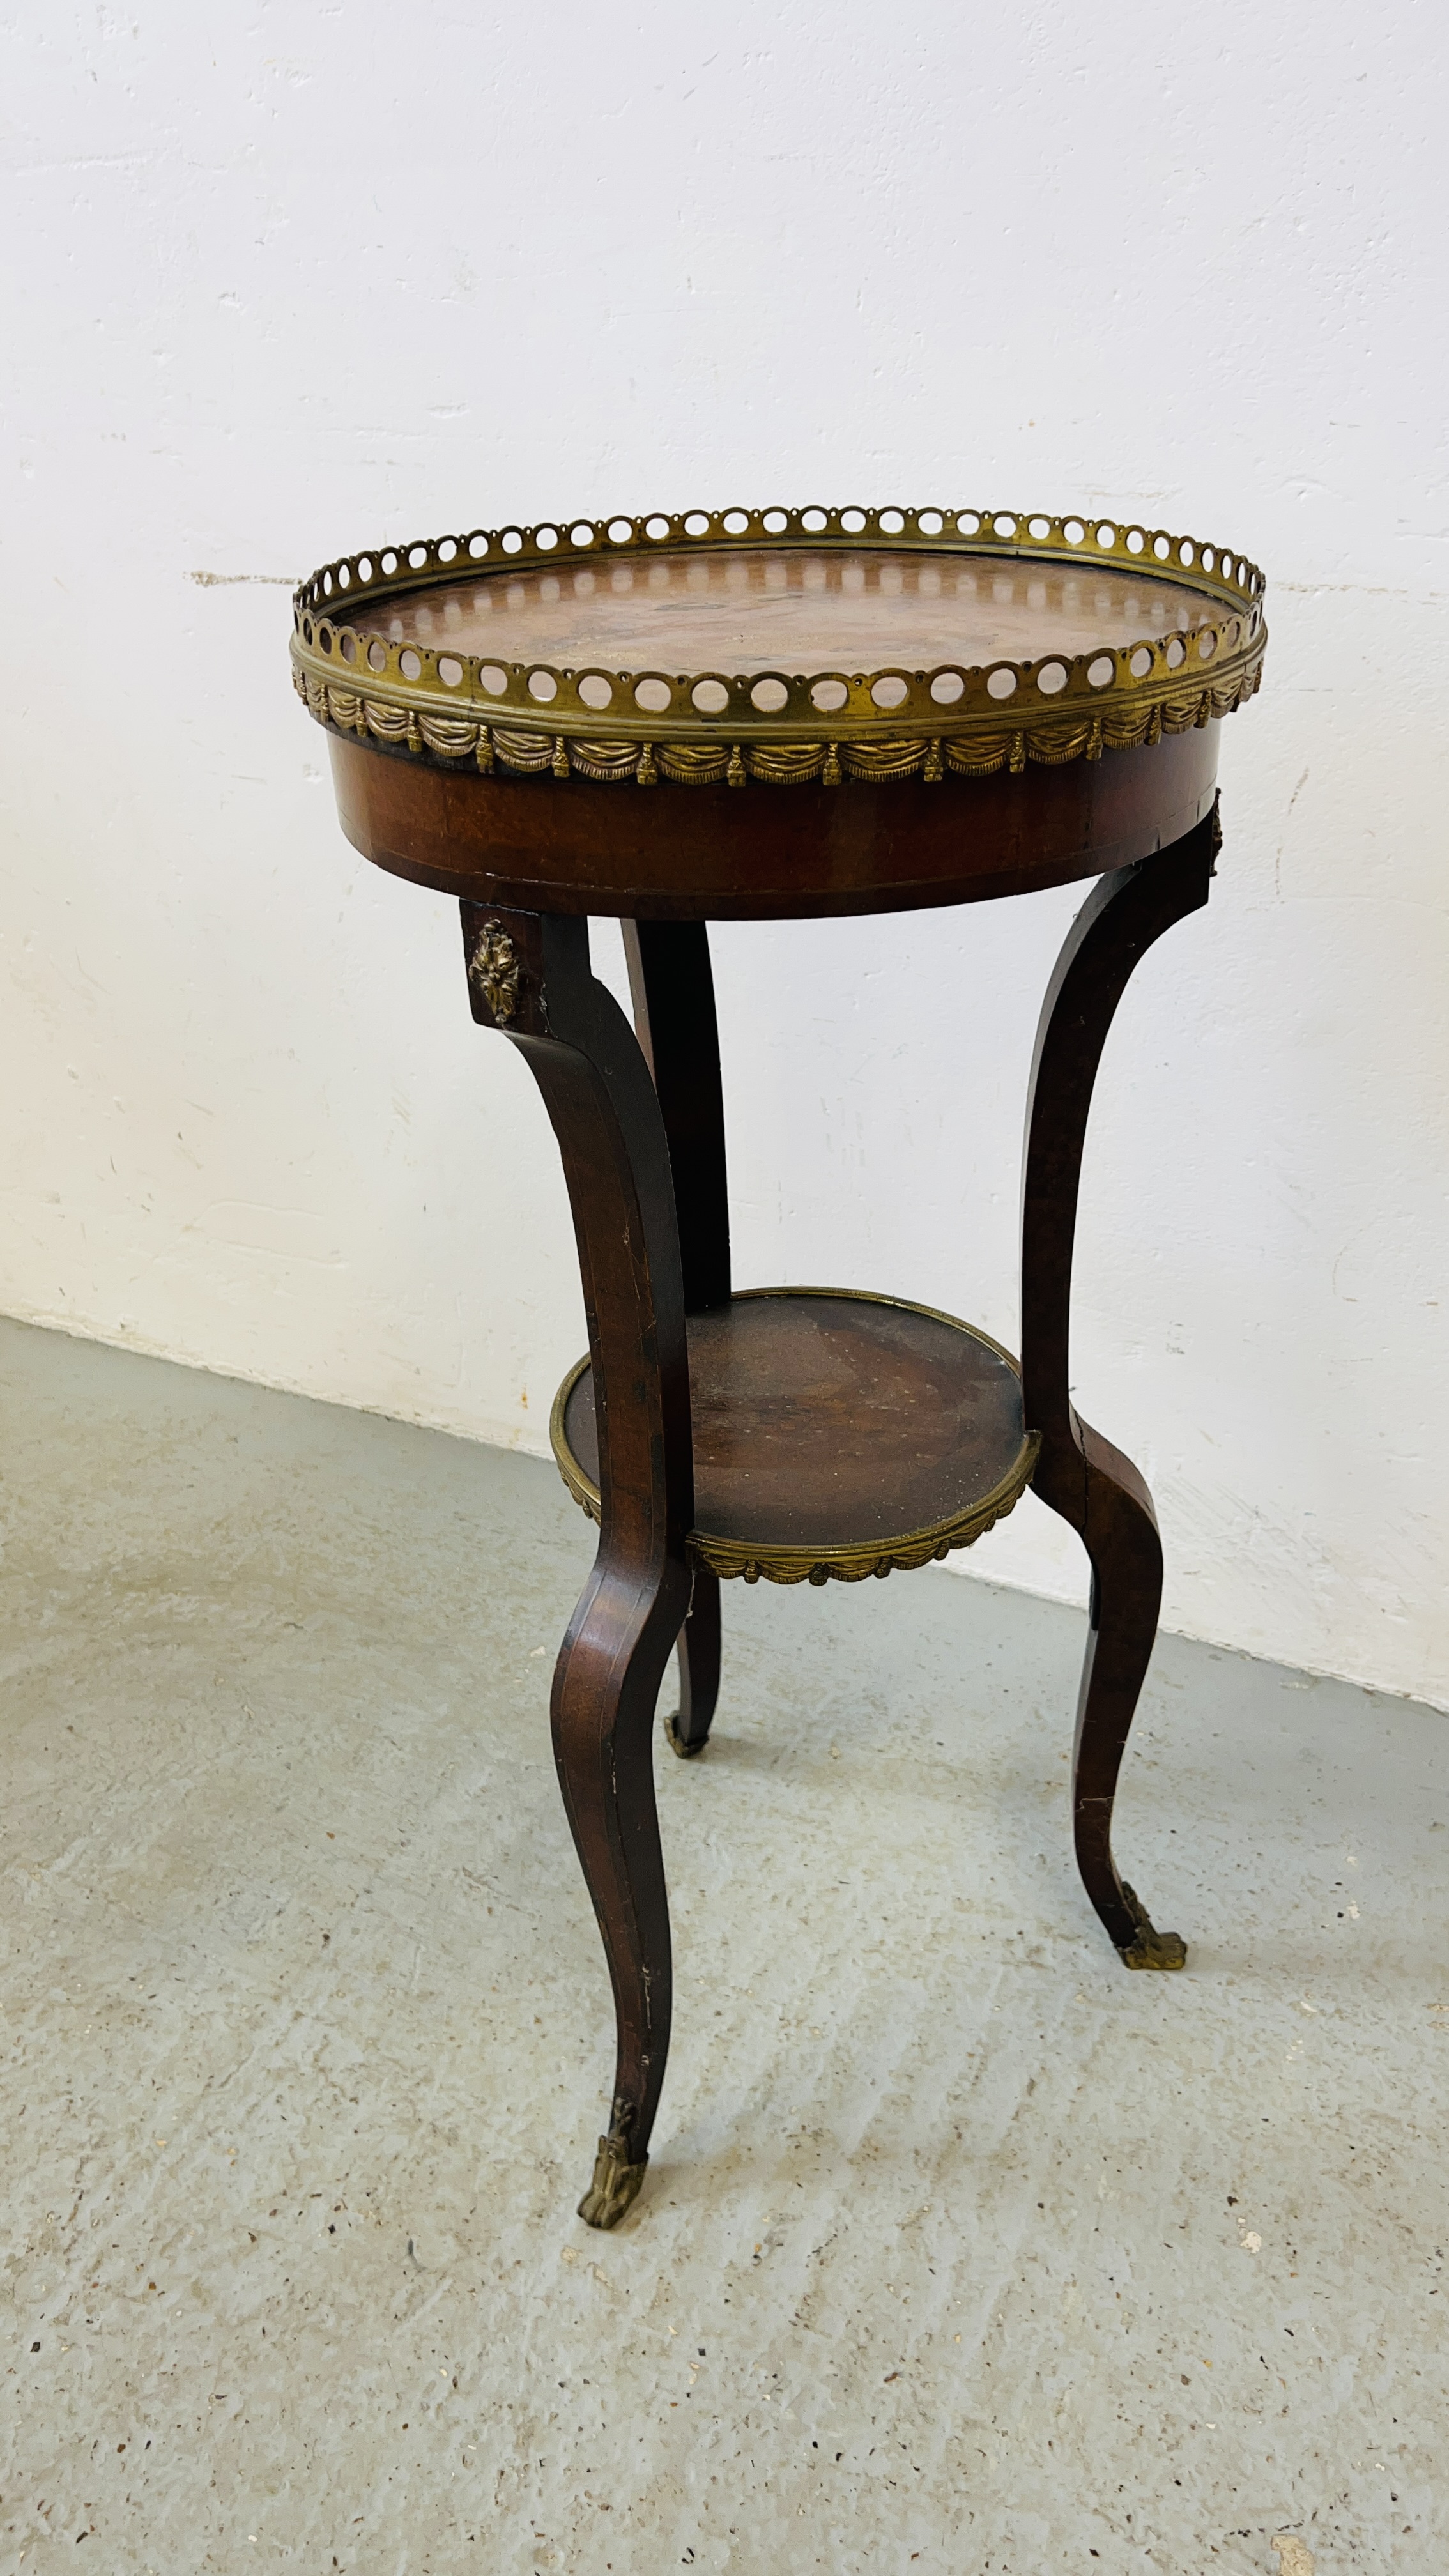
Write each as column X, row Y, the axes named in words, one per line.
column 836, row 1434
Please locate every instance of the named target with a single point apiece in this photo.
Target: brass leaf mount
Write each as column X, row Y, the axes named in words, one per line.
column 826, row 728
column 496, row 971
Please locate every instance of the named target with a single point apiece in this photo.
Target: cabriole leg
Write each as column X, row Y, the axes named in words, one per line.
column 529, row 976
column 1079, row 1474
column 671, row 987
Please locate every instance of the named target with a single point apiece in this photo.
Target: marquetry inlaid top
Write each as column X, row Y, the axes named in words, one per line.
column 759, row 608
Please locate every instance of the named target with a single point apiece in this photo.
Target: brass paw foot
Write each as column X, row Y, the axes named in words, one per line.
column 681, row 1744
column 615, row 2186
column 1149, row 1948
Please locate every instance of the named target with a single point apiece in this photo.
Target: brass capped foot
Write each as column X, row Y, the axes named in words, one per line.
column 1149, row 1948
column 679, row 1743
column 615, row 2186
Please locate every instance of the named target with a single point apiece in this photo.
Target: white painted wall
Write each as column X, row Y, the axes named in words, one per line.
column 288, row 279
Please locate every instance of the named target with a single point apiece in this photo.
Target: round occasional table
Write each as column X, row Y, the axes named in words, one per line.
column 749, row 715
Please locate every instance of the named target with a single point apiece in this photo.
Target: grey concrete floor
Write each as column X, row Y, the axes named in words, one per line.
column 961, row 2248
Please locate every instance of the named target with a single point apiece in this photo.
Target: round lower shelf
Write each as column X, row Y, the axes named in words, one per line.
column 836, row 1434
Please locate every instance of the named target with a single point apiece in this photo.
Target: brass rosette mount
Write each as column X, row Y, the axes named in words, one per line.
column 778, row 728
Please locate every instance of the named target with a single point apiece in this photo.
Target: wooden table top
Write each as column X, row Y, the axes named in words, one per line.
column 923, row 706
column 750, row 609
